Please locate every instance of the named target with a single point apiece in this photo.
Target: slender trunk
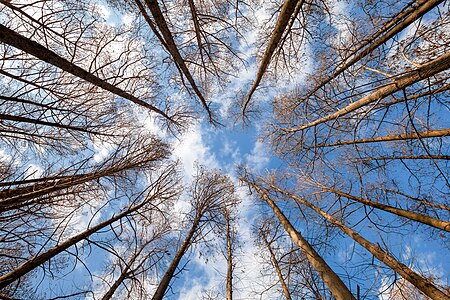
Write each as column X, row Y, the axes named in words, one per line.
column 392, row 28
column 388, row 138
column 108, row 295
column 435, row 157
column 422, row 201
column 18, row 197
column 329, row 277
column 415, row 279
column 46, row 123
column 427, row 70
column 170, row 45
column 40, row 259
column 436, row 223
column 123, row 274
column 165, row 281
column 229, row 284
column 31, row 47
column 287, row 10
column 284, row 286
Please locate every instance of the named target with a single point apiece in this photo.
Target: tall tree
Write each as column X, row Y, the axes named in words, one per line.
column 211, row 193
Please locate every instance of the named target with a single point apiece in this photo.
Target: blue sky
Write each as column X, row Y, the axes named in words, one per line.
column 226, row 147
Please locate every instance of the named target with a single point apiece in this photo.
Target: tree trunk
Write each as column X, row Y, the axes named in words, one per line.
column 389, row 138
column 16, row 198
column 40, row 259
column 287, row 10
column 427, row 70
column 165, row 281
column 229, row 288
column 173, row 50
column 31, row 47
column 415, row 279
column 393, row 27
column 284, row 286
column 330, row 278
column 436, row 223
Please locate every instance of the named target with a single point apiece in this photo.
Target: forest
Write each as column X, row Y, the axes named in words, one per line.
column 225, row 149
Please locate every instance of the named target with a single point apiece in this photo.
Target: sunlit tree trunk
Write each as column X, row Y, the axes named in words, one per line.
column 418, row 281
column 165, row 281
column 427, row 70
column 274, row 259
column 331, row 279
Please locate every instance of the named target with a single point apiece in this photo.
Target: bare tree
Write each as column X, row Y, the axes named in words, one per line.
column 211, row 194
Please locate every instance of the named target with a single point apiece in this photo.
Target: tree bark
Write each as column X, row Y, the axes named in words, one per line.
column 165, row 281
column 389, row 138
column 436, row 223
column 330, row 278
column 284, row 286
column 18, row 197
column 427, row 70
column 173, row 50
column 392, row 28
column 229, row 284
column 40, row 259
column 287, row 11
column 31, row 47
column 415, row 279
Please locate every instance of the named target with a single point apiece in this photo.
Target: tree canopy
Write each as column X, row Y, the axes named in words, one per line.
column 185, row 149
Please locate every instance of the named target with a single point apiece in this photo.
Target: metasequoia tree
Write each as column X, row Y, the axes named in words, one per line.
column 420, row 282
column 268, row 233
column 231, row 242
column 201, row 44
column 363, row 138
column 161, row 189
column 288, row 13
column 211, row 193
column 131, row 155
column 331, row 279
column 143, row 252
column 295, row 274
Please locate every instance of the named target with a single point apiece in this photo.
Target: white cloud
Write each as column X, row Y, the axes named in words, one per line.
column 259, row 157
column 192, row 149
column 33, row 171
column 102, row 150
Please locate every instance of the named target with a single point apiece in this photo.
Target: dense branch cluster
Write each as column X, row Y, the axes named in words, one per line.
column 355, row 99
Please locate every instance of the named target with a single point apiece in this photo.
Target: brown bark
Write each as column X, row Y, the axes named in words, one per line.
column 123, row 274
column 412, row 157
column 424, row 219
column 112, row 289
column 389, row 30
column 165, row 281
column 287, row 10
column 427, row 70
column 40, row 259
column 19, row 197
column 46, row 123
column 170, row 45
column 388, row 138
column 330, row 278
column 31, row 47
column 284, row 286
column 418, row 281
column 229, row 284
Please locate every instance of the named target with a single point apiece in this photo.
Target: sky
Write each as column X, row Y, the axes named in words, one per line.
column 225, row 148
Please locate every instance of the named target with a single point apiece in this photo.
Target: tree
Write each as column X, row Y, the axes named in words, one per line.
column 355, row 111
column 211, row 193
column 163, row 188
column 334, row 283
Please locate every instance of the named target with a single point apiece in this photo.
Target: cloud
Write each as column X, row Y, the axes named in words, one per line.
column 259, row 157
column 192, row 149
